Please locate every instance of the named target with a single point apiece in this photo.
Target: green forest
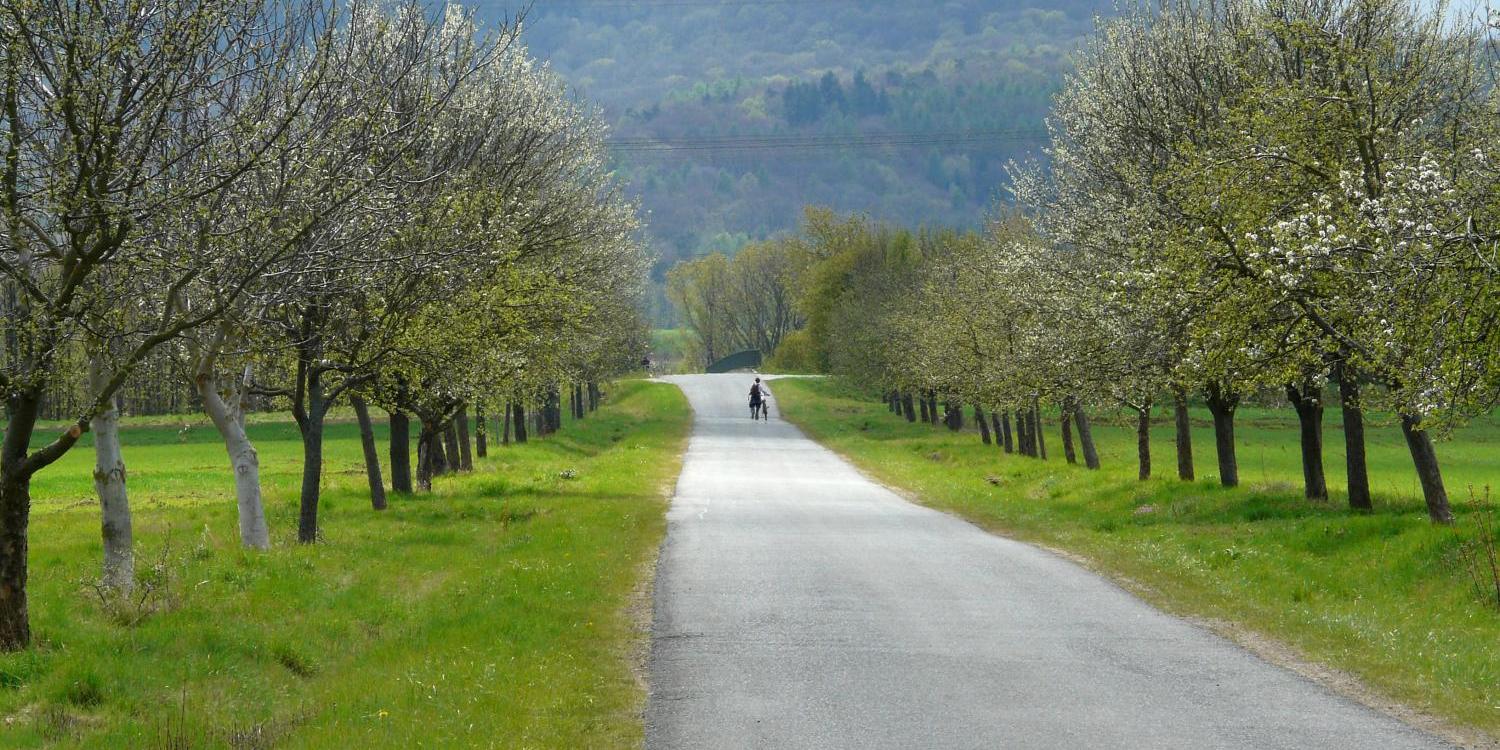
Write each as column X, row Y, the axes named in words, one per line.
column 728, row 118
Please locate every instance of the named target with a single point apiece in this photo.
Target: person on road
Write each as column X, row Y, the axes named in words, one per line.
column 757, row 399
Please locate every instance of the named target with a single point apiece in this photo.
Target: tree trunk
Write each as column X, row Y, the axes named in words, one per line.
column 481, row 432
column 1424, row 456
column 1008, row 437
column 114, row 500
column 1184, row 425
column 1357, row 470
column 15, row 507
column 1143, row 440
column 506, row 419
column 438, row 455
column 932, row 408
column 1222, row 403
column 372, row 458
column 552, row 412
column 519, row 412
column 1069, row 454
column 465, row 452
column 22, row 409
column 450, row 445
column 312, row 465
column 984, row 427
column 1308, row 402
column 1086, row 437
column 593, row 396
column 229, row 420
column 429, row 452
column 1027, row 429
column 1039, row 429
column 908, row 408
column 400, row 452
column 925, row 418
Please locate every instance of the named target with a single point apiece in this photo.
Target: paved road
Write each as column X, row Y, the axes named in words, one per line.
column 799, row 605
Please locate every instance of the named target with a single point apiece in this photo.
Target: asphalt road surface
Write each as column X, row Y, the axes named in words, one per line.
column 799, row 605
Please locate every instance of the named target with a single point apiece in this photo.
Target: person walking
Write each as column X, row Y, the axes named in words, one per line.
column 758, row 395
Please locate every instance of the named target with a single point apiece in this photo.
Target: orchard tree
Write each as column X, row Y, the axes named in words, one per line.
column 1146, row 87
column 350, row 295
column 330, row 178
column 1346, row 187
column 112, row 119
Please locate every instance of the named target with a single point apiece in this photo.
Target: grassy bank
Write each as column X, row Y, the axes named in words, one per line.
column 1380, row 595
column 494, row 612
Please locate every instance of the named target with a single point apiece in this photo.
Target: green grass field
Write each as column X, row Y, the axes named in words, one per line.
column 1380, row 595
column 495, row 612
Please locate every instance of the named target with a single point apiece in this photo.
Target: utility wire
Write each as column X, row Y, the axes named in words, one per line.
column 739, row 143
column 681, row 3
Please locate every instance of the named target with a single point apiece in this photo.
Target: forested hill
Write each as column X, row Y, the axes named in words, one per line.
column 731, row 116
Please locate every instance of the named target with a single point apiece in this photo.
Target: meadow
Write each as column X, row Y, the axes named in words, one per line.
column 505, row 609
column 1383, row 596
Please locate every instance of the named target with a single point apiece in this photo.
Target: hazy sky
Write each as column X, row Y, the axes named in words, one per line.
column 1463, row 7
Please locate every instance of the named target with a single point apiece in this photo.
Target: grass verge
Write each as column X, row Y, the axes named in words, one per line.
column 493, row 612
column 1380, row 596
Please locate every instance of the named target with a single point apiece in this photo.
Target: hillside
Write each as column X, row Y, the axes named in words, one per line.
column 729, row 117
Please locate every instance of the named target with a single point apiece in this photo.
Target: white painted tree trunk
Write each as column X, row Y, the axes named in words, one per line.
column 114, row 501
column 230, row 422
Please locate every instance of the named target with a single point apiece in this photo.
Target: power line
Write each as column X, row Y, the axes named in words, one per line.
column 676, row 3
column 767, row 142
column 835, row 137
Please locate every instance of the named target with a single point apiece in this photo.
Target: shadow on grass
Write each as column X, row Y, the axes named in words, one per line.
column 562, row 446
column 1205, row 503
column 502, row 489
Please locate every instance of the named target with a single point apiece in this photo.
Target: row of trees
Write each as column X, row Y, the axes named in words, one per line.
column 1243, row 197
column 293, row 200
column 1268, row 194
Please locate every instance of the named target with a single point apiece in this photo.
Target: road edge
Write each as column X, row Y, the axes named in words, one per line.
column 1264, row 647
column 641, row 608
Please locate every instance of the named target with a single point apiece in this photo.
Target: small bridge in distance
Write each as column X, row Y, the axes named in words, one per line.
column 746, row 360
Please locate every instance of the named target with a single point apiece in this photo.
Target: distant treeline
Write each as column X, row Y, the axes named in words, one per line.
column 825, row 70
